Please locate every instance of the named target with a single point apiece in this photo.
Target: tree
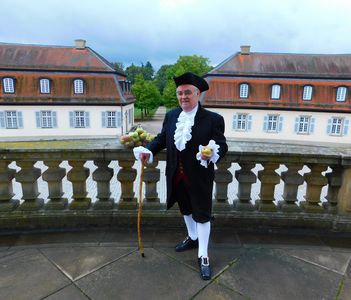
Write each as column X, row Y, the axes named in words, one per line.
column 147, row 71
column 146, row 93
column 132, row 71
column 118, row 66
column 162, row 76
column 169, row 95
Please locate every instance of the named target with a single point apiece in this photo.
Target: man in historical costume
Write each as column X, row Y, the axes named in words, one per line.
column 194, row 139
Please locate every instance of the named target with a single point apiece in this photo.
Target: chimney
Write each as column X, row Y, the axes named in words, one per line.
column 245, row 49
column 80, row 44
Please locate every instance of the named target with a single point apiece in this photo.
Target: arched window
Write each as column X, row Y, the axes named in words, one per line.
column 307, row 92
column 44, row 86
column 244, row 90
column 341, row 94
column 78, row 85
column 8, row 84
column 275, row 91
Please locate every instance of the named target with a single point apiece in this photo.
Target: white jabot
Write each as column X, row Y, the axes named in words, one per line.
column 183, row 131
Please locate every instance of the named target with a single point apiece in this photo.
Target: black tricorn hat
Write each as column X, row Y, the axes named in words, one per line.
column 190, row 78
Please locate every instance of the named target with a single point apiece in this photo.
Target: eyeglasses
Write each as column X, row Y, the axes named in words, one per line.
column 185, row 93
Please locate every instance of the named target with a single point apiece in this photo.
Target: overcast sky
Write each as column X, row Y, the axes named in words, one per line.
column 159, row 31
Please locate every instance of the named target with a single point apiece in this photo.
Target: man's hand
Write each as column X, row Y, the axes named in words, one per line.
column 144, row 157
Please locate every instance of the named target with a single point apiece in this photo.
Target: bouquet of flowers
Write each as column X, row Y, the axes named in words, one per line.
column 136, row 138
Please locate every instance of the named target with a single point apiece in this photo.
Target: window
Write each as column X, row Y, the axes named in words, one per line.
column 273, row 123
column 79, row 119
column 337, row 126
column 11, row 119
column 78, row 86
column 275, row 91
column 242, row 122
column 46, row 119
column 341, row 94
column 9, row 86
column 307, row 92
column 111, row 119
column 304, row 125
column 44, row 86
column 244, row 90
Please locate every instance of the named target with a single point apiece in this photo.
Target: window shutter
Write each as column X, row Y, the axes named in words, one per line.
column 20, row 119
column 235, row 122
column 280, row 124
column 297, row 120
column 2, row 119
column 104, row 119
column 329, row 126
column 312, row 125
column 249, row 123
column 119, row 119
column 87, row 119
column 71, row 119
column 265, row 123
column 346, row 127
column 54, row 119
column 37, row 118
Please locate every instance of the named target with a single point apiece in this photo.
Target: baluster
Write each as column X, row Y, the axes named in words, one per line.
column 126, row 177
column 53, row 176
column 222, row 178
column 269, row 179
column 28, row 176
column 292, row 179
column 78, row 176
column 151, row 177
column 6, row 191
column 315, row 181
column 344, row 201
column 334, row 181
column 102, row 175
column 245, row 178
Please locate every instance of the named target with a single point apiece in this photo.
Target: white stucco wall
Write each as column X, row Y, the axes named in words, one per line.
column 63, row 129
column 319, row 134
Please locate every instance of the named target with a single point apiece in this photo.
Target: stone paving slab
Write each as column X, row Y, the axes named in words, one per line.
column 70, row 292
column 345, row 290
column 76, row 262
column 29, row 275
column 156, row 276
column 218, row 292
column 267, row 274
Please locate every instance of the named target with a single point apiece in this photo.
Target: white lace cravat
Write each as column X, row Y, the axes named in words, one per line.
column 184, row 125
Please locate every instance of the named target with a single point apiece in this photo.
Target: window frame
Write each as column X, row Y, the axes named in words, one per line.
column 338, row 93
column 43, row 86
column 309, row 94
column 273, row 92
column 6, row 85
column 244, row 90
column 78, row 86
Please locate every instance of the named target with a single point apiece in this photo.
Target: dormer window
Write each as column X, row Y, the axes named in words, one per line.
column 44, row 86
column 341, row 94
column 78, row 85
column 8, row 84
column 275, row 91
column 244, row 90
column 307, row 92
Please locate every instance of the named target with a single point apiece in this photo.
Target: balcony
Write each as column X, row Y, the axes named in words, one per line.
column 83, row 183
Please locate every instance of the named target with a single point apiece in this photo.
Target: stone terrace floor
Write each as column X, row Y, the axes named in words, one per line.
column 105, row 264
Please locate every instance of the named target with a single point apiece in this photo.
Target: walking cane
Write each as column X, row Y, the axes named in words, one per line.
column 140, row 204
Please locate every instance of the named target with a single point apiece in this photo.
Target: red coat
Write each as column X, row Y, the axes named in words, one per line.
column 207, row 126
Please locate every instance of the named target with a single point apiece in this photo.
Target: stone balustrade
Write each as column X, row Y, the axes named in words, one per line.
column 329, row 167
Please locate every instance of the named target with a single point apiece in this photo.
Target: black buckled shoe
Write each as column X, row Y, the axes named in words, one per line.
column 205, row 268
column 188, row 243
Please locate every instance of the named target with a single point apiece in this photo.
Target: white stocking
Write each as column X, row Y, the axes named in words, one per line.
column 191, row 227
column 203, row 230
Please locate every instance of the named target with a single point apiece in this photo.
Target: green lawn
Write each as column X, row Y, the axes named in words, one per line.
column 137, row 114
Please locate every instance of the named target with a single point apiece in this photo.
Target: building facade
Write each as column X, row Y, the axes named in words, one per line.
column 293, row 97
column 61, row 92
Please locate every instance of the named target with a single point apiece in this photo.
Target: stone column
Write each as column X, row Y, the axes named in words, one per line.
column 245, row 178
column 151, row 177
column 53, row 176
column 78, row 176
column 102, row 175
column 126, row 176
column 334, row 182
column 222, row 178
column 6, row 191
column 292, row 179
column 269, row 179
column 344, row 195
column 315, row 181
column 28, row 176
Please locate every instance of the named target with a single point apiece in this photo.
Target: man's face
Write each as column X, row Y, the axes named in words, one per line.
column 188, row 96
